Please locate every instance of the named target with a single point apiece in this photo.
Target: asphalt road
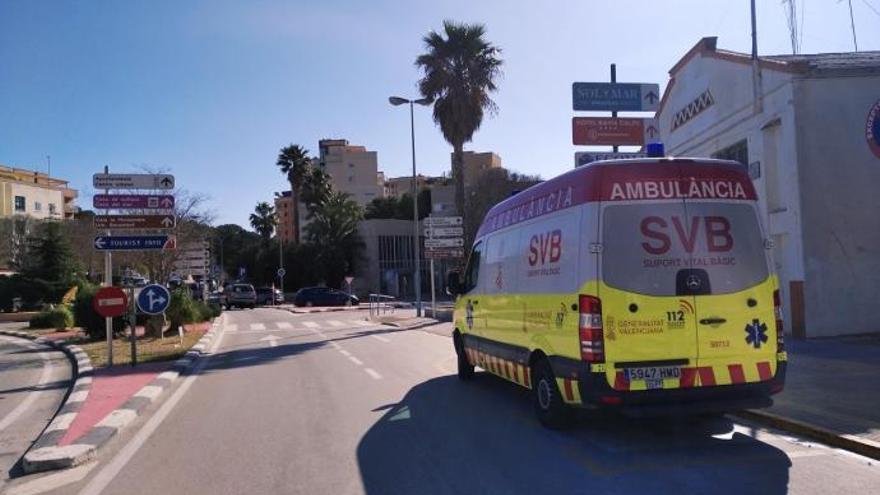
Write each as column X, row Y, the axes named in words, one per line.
column 33, row 381
column 326, row 404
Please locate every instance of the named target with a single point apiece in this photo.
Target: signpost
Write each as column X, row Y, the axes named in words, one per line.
column 444, row 231
column 439, row 253
column 135, row 243
column 584, row 157
column 110, row 302
column 612, row 131
column 615, row 97
column 348, row 280
column 450, row 242
column 442, row 221
column 116, row 222
column 133, row 181
column 133, row 201
column 153, row 299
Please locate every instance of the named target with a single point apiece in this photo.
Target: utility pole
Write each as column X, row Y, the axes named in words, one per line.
column 852, row 23
column 108, row 282
column 614, row 112
column 758, row 98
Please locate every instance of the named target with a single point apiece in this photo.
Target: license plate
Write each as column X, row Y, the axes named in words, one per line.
column 652, row 373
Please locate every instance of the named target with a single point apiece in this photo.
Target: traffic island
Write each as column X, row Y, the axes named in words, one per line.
column 115, row 397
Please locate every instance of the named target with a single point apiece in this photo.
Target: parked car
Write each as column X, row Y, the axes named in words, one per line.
column 265, row 296
column 217, row 297
column 324, row 296
column 241, row 296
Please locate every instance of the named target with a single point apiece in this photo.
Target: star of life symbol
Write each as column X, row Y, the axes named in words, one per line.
column 756, row 333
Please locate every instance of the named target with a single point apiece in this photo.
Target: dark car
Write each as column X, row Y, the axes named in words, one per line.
column 324, row 296
column 265, row 296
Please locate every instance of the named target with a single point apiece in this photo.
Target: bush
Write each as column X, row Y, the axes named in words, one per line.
column 86, row 317
column 57, row 317
column 182, row 309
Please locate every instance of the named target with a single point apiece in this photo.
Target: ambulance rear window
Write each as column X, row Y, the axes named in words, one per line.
column 646, row 245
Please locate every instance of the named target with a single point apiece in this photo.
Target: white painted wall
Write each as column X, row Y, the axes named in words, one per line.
column 36, row 194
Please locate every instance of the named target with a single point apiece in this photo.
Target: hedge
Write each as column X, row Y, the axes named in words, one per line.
column 59, row 317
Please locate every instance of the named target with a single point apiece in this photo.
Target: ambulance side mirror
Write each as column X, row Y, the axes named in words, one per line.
column 453, row 283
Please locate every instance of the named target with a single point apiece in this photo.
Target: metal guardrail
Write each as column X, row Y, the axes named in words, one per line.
column 381, row 304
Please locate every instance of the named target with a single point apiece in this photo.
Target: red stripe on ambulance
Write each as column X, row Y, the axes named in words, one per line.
column 569, row 394
column 688, row 377
column 764, row 371
column 707, row 376
column 736, row 373
column 620, row 381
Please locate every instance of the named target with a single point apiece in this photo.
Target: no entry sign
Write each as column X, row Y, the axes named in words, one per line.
column 110, row 302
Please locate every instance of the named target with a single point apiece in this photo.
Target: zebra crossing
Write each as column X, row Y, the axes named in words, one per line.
column 299, row 325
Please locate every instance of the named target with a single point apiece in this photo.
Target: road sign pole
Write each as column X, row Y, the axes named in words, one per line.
column 108, row 282
column 133, row 327
column 614, row 80
column 433, row 298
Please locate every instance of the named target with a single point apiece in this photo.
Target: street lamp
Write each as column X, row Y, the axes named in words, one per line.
column 397, row 101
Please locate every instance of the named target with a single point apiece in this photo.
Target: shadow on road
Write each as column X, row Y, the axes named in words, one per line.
column 255, row 356
column 446, row 436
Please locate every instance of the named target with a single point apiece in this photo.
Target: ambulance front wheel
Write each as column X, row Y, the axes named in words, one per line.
column 549, row 406
column 465, row 369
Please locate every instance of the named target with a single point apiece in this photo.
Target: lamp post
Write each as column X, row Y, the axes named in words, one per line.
column 396, row 101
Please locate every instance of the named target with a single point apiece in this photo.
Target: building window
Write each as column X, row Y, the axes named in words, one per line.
column 351, row 165
column 51, row 208
column 19, row 203
column 38, row 206
column 738, row 152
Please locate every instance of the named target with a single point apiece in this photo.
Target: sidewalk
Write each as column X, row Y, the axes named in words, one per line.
column 833, row 384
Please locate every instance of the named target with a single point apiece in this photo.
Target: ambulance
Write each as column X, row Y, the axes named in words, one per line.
column 640, row 285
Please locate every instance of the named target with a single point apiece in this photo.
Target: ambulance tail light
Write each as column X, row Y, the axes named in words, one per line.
column 780, row 329
column 590, row 329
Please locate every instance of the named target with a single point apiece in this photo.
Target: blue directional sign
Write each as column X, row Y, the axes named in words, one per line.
column 153, row 299
column 135, row 242
column 609, row 97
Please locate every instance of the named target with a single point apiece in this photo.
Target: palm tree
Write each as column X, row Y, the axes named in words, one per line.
column 316, row 188
column 293, row 160
column 333, row 231
column 460, row 70
column 263, row 220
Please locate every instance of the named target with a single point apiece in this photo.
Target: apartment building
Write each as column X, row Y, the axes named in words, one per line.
column 33, row 193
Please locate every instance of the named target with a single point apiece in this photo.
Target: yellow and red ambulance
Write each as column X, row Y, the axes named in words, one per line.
column 643, row 285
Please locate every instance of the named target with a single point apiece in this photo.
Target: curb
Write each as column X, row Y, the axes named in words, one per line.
column 76, row 396
column 403, row 326
column 46, row 454
column 852, row 443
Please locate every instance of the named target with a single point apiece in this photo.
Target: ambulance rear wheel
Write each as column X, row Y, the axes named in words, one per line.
column 549, row 406
column 465, row 369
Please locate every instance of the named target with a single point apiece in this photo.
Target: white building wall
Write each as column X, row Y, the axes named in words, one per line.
column 36, row 194
column 772, row 147
column 839, row 177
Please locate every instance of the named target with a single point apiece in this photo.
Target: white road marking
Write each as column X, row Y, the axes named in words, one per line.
column 381, row 338
column 310, row 324
column 363, row 323
column 117, row 463
column 258, row 326
column 373, row 373
column 335, row 345
column 335, row 323
column 32, row 396
column 284, row 325
column 355, row 360
column 273, row 340
column 52, row 481
column 344, row 352
column 232, row 328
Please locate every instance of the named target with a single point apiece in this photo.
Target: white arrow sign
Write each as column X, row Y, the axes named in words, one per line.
column 444, row 232
column 273, row 340
column 448, row 242
column 133, row 181
column 442, row 221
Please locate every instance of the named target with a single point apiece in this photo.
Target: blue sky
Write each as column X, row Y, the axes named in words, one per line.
column 210, row 90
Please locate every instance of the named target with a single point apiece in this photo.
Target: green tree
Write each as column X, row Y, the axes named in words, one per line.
column 460, row 71
column 316, row 188
column 263, row 220
column 49, row 261
column 333, row 232
column 293, row 160
column 382, row 208
column 240, row 248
